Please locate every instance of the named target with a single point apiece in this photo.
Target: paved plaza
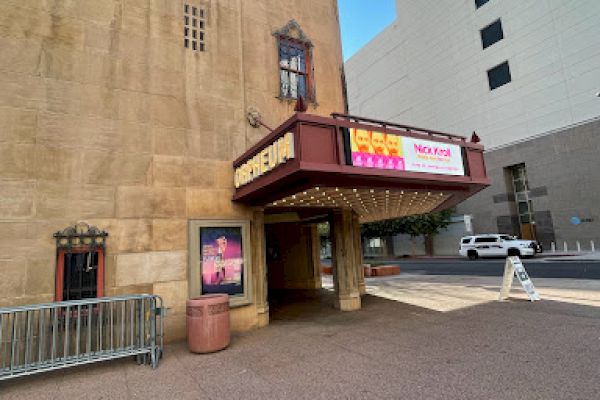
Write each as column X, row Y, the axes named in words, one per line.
column 474, row 347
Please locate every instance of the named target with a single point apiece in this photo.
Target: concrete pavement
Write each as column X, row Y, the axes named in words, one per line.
column 387, row 350
column 447, row 293
column 574, row 269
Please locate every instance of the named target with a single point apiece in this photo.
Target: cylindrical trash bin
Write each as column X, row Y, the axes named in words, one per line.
column 208, row 323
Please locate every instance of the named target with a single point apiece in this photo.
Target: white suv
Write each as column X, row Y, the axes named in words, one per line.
column 494, row 245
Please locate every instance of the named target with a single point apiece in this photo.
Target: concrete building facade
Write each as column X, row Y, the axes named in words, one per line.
column 524, row 76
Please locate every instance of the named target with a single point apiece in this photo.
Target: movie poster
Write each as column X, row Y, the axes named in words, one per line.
column 372, row 149
column 222, row 258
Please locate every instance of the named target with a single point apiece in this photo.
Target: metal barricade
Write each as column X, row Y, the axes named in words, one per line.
column 45, row 337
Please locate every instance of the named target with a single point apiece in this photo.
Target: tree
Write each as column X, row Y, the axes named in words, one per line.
column 386, row 230
column 427, row 225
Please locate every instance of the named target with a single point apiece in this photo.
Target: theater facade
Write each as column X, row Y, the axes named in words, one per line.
column 161, row 147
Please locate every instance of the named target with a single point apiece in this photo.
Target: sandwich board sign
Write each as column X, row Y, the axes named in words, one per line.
column 513, row 267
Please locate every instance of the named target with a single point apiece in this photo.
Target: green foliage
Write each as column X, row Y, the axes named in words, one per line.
column 385, row 228
column 414, row 225
column 323, row 229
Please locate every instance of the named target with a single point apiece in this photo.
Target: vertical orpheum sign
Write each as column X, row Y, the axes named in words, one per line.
column 373, row 149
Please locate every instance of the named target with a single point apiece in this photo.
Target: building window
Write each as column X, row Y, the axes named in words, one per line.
column 499, row 75
column 194, row 34
column 293, row 68
column 79, row 273
column 491, row 34
column 295, row 63
column 524, row 205
column 479, row 3
column 80, row 262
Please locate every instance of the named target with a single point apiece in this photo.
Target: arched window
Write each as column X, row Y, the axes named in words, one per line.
column 296, row 73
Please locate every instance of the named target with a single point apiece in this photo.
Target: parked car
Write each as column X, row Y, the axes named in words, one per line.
column 497, row 245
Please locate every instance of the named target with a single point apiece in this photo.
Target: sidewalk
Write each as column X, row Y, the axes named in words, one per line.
column 546, row 256
column 387, row 350
column 583, row 256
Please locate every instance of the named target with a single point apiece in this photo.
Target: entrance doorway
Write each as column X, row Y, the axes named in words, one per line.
column 293, row 266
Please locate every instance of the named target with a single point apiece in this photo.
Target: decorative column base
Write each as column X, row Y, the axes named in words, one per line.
column 362, row 288
column 348, row 303
column 263, row 316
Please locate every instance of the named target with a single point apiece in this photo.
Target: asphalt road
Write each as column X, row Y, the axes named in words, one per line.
column 495, row 267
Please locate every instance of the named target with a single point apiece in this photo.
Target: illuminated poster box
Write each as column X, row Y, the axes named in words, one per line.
column 373, row 149
column 220, row 259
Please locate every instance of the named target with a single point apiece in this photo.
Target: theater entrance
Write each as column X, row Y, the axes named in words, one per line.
column 312, row 169
column 294, row 262
column 293, row 267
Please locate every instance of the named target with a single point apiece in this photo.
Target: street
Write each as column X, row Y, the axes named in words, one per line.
column 537, row 268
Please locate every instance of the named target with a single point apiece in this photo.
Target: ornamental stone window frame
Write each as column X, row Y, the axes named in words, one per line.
column 293, row 34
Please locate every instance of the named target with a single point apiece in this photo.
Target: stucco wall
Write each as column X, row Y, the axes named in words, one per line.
column 105, row 117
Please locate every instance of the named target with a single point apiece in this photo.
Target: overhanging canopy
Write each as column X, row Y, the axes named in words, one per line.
column 381, row 170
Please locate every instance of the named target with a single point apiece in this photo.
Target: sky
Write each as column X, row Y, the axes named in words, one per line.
column 362, row 20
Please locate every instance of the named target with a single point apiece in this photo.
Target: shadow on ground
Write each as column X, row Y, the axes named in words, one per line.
column 390, row 350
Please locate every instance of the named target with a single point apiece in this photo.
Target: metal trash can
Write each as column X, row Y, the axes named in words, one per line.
column 208, row 323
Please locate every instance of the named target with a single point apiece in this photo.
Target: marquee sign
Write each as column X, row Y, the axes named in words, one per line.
column 277, row 153
column 373, row 149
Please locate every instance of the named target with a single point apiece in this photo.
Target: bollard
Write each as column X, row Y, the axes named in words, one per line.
column 553, row 246
column 592, row 246
column 578, row 246
column 565, row 246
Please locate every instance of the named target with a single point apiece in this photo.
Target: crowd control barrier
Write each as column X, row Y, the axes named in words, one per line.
column 44, row 337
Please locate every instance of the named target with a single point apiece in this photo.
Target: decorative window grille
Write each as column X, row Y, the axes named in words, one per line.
column 80, row 262
column 194, row 30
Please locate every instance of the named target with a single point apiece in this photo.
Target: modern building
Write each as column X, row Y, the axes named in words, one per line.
column 136, row 154
column 523, row 75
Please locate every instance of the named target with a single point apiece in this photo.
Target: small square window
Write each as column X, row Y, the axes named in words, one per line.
column 193, row 25
column 491, row 34
column 499, row 75
column 479, row 3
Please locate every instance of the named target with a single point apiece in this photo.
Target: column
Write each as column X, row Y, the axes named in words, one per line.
column 359, row 255
column 316, row 255
column 259, row 267
column 345, row 276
